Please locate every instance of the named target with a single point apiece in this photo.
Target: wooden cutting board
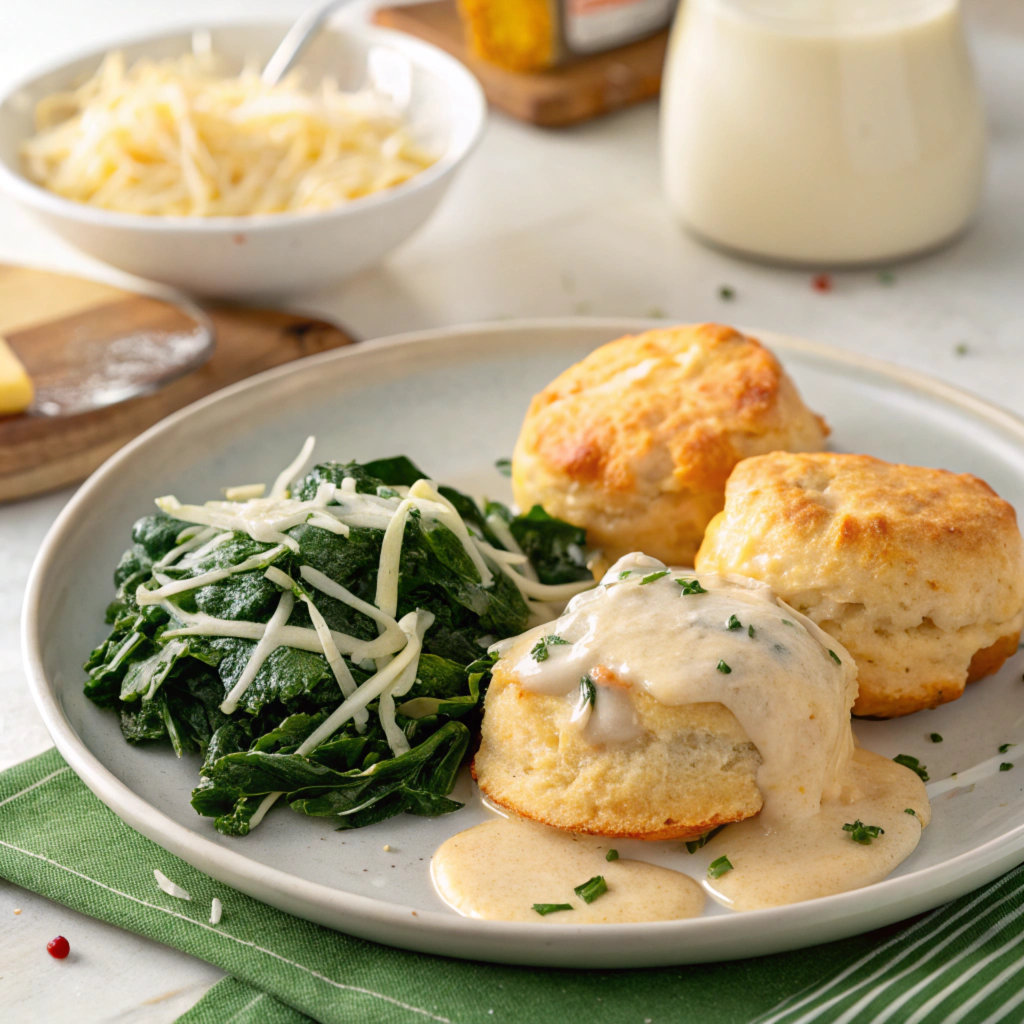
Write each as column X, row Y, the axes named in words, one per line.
column 584, row 88
column 53, row 322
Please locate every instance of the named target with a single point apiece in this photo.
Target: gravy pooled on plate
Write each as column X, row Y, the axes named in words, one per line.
column 658, row 697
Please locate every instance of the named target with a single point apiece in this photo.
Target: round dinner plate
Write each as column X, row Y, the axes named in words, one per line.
column 453, row 400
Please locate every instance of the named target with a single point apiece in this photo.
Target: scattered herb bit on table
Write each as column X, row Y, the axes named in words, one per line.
column 726, row 293
column 935, row 737
column 1004, row 747
column 504, row 466
column 1005, row 766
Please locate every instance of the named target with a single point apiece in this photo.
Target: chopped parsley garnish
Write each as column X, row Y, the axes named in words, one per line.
column 625, row 573
column 693, row 845
column 539, row 651
column 717, row 868
column 551, row 908
column 611, row 855
column 1005, row 747
column 936, row 738
column 591, row 889
column 691, row 586
column 750, row 631
column 914, row 765
column 961, row 349
column 1005, row 766
column 861, row 833
column 504, row 467
column 726, row 294
column 588, row 692
column 786, row 622
column 910, row 810
column 387, row 492
column 654, row 576
column 733, row 623
column 835, row 657
column 723, row 668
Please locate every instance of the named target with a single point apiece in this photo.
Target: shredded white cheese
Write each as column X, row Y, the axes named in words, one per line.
column 266, row 646
column 169, row 887
column 175, row 137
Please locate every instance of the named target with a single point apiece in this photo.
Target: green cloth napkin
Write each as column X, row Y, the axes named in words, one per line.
column 959, row 963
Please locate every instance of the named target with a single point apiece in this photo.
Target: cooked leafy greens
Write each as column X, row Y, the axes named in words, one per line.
column 324, row 645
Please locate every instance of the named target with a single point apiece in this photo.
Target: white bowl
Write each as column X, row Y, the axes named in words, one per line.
column 270, row 253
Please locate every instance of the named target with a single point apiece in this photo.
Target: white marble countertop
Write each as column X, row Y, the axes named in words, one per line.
column 540, row 224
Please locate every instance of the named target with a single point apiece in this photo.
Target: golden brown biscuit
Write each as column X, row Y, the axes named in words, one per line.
column 693, row 769
column 918, row 572
column 635, row 442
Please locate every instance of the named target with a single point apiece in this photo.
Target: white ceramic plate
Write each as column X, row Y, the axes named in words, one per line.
column 453, row 400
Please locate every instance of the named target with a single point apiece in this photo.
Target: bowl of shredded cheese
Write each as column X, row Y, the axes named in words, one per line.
column 169, row 158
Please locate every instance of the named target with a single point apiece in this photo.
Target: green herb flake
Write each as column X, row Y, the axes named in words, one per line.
column 750, row 632
column 693, row 845
column 625, row 573
column 611, row 855
column 961, row 349
column 723, row 668
column 718, row 867
column 733, row 623
column 654, row 576
column 886, row 277
column 835, row 657
column 691, row 587
column 591, row 889
column 936, row 738
column 504, row 467
column 786, row 622
column 539, row 651
column 1005, row 766
column 863, row 834
column 910, row 810
column 914, row 765
column 588, row 692
column 1005, row 747
column 551, row 908
column 726, row 293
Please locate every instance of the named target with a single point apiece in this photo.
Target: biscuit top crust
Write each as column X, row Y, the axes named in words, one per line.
column 913, row 543
column 668, row 410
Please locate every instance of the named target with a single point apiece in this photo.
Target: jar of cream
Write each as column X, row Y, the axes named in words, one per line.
column 822, row 131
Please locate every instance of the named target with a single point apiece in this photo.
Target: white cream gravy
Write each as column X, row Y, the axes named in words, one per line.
column 498, row 870
column 790, row 686
column 790, row 695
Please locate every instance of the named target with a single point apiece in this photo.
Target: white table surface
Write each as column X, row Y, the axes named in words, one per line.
column 540, row 224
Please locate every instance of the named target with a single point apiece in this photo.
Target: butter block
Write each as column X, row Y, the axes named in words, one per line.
column 16, row 391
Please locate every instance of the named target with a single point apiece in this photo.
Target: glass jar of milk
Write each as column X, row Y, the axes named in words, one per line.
column 822, row 131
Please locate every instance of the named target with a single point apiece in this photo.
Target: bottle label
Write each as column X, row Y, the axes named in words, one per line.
column 591, row 26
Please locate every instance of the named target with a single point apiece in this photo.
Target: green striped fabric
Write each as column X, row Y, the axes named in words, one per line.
column 959, row 963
